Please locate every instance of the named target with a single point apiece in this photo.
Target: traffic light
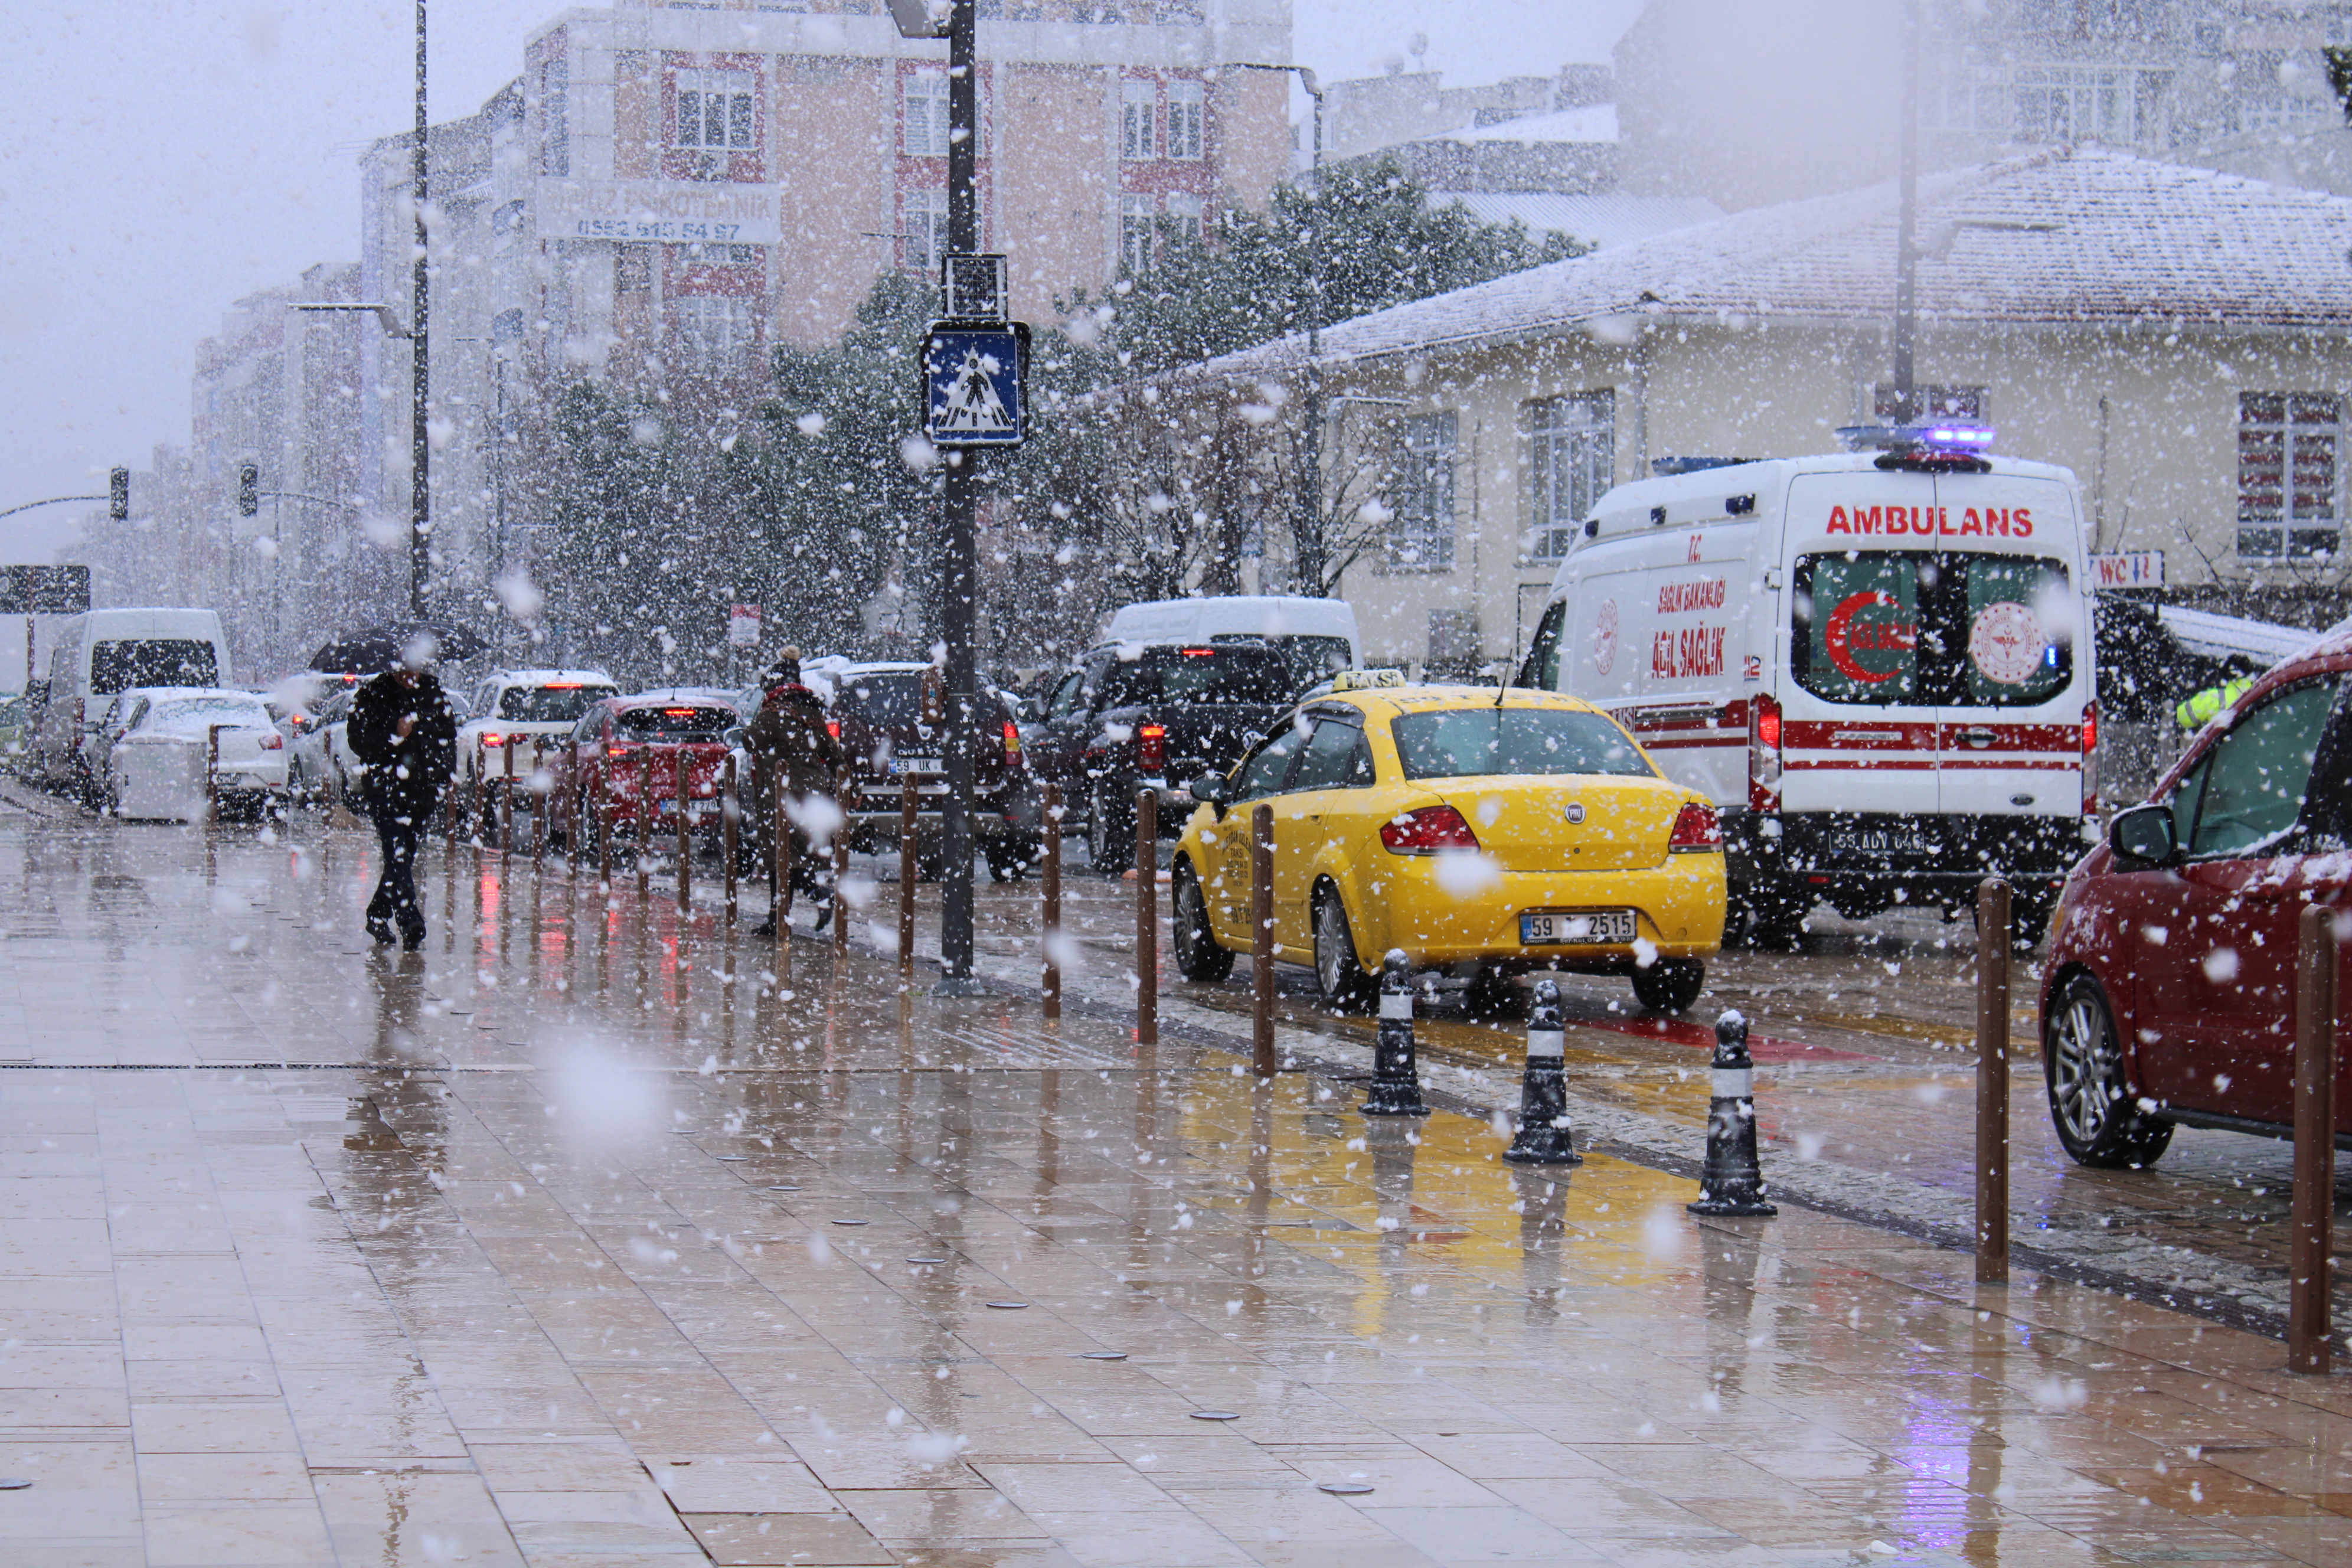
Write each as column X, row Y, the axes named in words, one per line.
column 248, row 490
column 117, row 495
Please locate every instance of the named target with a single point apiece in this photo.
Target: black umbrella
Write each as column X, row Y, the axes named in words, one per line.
column 380, row 647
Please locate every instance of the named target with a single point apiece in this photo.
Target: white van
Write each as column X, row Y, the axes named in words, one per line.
column 1878, row 664
column 101, row 654
column 1320, row 634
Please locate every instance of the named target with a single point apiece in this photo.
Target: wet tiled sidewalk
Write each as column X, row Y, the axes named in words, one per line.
column 610, row 1246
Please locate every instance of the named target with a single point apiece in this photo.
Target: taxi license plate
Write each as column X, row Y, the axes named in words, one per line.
column 1575, row 926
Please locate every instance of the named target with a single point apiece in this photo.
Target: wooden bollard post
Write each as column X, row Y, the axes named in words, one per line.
column 1262, row 941
column 605, row 823
column 506, row 803
column 1147, row 916
column 1992, row 1082
column 1051, row 874
column 780, row 833
column 2311, row 1220
column 685, row 836
column 729, row 811
column 542, row 806
column 907, row 833
column 644, row 837
column 212, row 773
column 456, row 814
column 840, row 880
column 474, row 801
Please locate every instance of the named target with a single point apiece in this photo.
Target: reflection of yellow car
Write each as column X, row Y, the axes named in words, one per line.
column 1475, row 836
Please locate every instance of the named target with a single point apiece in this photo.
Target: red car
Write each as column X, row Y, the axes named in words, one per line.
column 600, row 769
column 2169, row 999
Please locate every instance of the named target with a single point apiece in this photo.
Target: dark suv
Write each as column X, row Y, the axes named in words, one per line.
column 889, row 718
column 1156, row 712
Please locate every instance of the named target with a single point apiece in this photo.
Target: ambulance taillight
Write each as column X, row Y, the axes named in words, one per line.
column 1764, row 754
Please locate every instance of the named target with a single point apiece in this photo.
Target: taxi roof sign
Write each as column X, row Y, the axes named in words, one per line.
column 1365, row 679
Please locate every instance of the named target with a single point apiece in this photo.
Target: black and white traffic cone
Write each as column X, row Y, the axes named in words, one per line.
column 1544, row 1136
column 1396, row 1078
column 1733, row 1181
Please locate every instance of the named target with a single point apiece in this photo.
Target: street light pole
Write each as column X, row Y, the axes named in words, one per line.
column 959, row 515
column 420, row 451
column 1906, row 230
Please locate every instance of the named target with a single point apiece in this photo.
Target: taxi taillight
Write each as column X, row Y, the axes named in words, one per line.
column 1428, row 831
column 1697, row 830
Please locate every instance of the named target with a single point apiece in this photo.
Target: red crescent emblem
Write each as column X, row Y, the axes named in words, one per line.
column 1837, row 634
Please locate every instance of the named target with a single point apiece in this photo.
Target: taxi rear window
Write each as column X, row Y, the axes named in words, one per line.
column 1482, row 743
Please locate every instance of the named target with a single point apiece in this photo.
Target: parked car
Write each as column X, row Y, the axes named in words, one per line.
column 12, row 727
column 889, row 718
column 2168, row 995
column 1318, row 635
column 1481, row 833
column 158, row 748
column 1157, row 712
column 101, row 654
column 529, row 712
column 600, row 773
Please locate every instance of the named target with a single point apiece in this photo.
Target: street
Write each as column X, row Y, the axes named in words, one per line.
column 591, row 1232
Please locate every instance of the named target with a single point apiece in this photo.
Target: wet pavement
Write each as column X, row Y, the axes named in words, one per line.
column 594, row 1234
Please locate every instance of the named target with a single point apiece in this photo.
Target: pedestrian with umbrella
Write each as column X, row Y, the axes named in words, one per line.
column 405, row 737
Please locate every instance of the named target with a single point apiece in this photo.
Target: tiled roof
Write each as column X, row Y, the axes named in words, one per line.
column 1600, row 221
column 2072, row 235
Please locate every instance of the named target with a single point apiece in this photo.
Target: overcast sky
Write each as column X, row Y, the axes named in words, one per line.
column 160, row 158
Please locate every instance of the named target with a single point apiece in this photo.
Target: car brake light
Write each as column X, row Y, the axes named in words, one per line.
column 1764, row 754
column 1199, row 652
column 1150, row 747
column 273, row 742
column 1012, row 742
column 562, row 685
column 1697, row 830
column 833, row 728
column 617, row 751
column 2090, row 759
column 490, row 740
column 678, row 712
column 1427, row 831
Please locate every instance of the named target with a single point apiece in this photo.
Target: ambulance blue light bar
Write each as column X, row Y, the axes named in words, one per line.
column 1944, row 436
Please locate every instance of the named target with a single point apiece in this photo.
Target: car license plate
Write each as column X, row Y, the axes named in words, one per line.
column 1566, row 928
column 1897, row 838
column 703, row 808
column 904, row 765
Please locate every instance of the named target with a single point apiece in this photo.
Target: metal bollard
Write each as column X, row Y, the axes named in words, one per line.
column 2311, row 1221
column 728, row 811
column 644, row 834
column 1992, row 1081
column 1544, row 1136
column 1733, row 1180
column 685, row 836
column 1147, row 916
column 1050, row 874
column 1262, row 1058
column 1396, row 1078
column 907, row 848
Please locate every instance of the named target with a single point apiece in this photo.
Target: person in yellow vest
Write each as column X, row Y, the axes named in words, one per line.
column 2200, row 710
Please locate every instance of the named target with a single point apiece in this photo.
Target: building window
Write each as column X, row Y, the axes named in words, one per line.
column 1184, row 217
column 2268, row 110
column 1187, row 111
column 1935, row 402
column 923, row 114
column 555, row 116
column 1573, row 458
column 1138, row 121
column 1958, row 96
column 1421, row 534
column 1136, row 216
column 720, row 256
column 2286, row 474
column 2077, row 103
column 715, row 331
column 922, row 231
column 714, row 111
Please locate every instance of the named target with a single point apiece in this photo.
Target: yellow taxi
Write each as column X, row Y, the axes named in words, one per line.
column 1484, row 832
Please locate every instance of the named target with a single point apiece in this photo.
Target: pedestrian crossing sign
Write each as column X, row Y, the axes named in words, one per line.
column 972, row 384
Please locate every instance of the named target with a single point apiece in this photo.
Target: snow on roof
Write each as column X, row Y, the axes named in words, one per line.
column 2229, row 636
column 2070, row 234
column 1600, row 221
column 1587, row 122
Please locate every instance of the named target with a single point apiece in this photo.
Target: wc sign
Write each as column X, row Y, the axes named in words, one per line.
column 2128, row 569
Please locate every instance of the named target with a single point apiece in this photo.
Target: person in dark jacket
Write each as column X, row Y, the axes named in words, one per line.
column 796, row 750
column 403, row 731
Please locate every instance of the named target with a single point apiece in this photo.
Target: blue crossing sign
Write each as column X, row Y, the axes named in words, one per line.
column 972, row 384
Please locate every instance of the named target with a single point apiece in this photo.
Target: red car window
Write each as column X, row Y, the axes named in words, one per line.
column 2249, row 787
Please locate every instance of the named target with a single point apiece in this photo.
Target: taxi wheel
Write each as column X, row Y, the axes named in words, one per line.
column 1670, row 984
column 2091, row 1107
column 1344, row 985
column 1198, row 955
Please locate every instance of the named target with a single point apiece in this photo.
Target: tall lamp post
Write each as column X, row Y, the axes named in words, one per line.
column 1307, row 501
column 420, row 450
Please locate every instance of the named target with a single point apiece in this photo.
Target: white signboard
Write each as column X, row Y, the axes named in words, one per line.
column 744, row 627
column 2128, row 569
column 657, row 213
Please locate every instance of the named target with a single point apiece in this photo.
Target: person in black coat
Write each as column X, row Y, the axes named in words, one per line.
column 403, row 731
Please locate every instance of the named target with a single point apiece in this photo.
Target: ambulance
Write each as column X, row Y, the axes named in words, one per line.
column 1878, row 664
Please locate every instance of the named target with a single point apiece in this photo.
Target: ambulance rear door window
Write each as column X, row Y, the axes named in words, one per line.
column 1856, row 627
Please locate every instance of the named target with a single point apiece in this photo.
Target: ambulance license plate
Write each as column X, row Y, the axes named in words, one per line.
column 1568, row 928
column 1893, row 838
